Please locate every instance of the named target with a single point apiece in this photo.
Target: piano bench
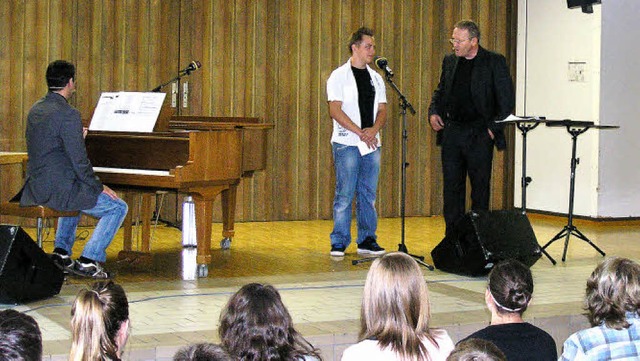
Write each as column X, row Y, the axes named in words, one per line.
column 38, row 212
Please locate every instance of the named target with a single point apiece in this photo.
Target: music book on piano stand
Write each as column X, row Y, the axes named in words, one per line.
column 127, row 111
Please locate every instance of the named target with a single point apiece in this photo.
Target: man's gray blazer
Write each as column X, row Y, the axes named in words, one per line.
column 59, row 174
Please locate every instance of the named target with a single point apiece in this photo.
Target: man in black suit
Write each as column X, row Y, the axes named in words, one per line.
column 60, row 176
column 475, row 90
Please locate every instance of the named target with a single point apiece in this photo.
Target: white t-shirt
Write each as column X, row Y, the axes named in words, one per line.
column 369, row 350
column 342, row 87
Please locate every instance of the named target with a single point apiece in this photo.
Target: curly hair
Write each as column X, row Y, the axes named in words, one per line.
column 20, row 337
column 395, row 306
column 612, row 290
column 255, row 325
column 511, row 286
column 96, row 317
column 202, row 352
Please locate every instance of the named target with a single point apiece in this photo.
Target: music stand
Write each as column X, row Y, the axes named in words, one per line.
column 575, row 128
column 404, row 105
column 526, row 124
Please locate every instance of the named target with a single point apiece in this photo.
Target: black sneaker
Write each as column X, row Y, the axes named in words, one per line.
column 370, row 246
column 337, row 251
column 91, row 269
column 62, row 261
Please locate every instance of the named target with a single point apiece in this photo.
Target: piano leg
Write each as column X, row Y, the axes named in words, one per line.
column 228, row 215
column 203, row 199
column 141, row 257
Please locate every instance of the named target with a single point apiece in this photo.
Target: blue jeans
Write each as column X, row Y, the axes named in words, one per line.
column 355, row 176
column 111, row 213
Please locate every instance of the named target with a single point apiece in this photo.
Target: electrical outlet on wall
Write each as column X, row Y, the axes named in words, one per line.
column 577, row 71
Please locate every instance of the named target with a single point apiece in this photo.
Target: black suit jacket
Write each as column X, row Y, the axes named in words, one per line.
column 491, row 90
column 59, row 174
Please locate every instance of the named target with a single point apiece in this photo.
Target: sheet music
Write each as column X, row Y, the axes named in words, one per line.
column 512, row 117
column 127, row 111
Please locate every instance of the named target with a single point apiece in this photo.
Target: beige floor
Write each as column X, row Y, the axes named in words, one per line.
column 322, row 294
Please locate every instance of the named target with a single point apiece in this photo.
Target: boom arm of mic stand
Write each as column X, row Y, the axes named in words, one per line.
column 159, row 87
column 403, row 100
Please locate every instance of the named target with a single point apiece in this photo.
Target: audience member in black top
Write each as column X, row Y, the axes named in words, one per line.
column 20, row 337
column 507, row 297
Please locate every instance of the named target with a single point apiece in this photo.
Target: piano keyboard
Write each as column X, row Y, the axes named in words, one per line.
column 131, row 171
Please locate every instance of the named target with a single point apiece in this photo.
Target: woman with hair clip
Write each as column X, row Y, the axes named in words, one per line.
column 99, row 323
column 256, row 326
column 395, row 315
column 507, row 296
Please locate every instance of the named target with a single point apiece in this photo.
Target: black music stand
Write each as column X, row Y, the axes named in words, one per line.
column 575, row 128
column 526, row 124
column 404, row 105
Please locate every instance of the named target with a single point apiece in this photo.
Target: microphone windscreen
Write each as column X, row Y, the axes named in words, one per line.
column 380, row 61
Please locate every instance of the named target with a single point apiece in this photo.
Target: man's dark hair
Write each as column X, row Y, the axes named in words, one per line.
column 356, row 38
column 471, row 27
column 20, row 337
column 58, row 74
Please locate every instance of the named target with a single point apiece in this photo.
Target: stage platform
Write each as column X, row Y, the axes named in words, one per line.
column 323, row 294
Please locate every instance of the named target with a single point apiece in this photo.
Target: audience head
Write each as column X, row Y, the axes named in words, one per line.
column 395, row 305
column 20, row 337
column 59, row 73
column 612, row 290
column 255, row 325
column 99, row 322
column 202, row 352
column 510, row 287
column 476, row 349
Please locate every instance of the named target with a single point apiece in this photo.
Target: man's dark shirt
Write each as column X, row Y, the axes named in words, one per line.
column 366, row 96
column 460, row 104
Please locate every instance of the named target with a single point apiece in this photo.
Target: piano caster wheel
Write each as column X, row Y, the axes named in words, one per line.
column 225, row 243
column 203, row 271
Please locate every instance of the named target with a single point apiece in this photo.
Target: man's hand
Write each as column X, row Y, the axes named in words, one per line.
column 491, row 134
column 436, row 122
column 368, row 135
column 110, row 192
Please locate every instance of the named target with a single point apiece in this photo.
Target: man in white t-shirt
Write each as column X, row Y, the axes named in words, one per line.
column 358, row 106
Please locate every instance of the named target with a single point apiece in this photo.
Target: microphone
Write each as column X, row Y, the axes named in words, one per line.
column 193, row 66
column 381, row 62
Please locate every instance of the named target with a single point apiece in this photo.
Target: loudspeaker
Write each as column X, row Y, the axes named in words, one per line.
column 26, row 272
column 481, row 239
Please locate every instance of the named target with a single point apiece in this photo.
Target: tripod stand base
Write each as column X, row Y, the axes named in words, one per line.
column 401, row 248
column 566, row 232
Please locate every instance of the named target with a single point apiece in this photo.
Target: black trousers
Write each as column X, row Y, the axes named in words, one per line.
column 466, row 150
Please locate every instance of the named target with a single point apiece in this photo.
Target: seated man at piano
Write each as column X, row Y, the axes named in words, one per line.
column 60, row 176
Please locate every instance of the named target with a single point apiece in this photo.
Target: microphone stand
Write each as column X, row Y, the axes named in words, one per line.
column 404, row 105
column 181, row 73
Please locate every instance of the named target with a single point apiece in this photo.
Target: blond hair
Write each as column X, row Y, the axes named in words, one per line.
column 96, row 317
column 395, row 306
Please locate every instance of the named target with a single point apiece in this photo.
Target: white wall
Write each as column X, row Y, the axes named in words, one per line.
column 619, row 158
column 549, row 37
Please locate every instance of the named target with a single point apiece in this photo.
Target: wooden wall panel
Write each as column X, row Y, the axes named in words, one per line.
column 263, row 58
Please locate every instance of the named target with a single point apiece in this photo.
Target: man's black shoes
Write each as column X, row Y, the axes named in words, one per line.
column 370, row 247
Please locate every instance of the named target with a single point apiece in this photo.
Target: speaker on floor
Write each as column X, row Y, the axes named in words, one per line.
column 482, row 239
column 26, row 272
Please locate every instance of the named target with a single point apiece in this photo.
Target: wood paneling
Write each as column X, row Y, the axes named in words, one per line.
column 261, row 58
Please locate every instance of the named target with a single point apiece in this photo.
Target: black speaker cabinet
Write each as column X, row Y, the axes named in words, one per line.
column 481, row 239
column 26, row 272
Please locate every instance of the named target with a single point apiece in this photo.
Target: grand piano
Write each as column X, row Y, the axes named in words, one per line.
column 200, row 156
